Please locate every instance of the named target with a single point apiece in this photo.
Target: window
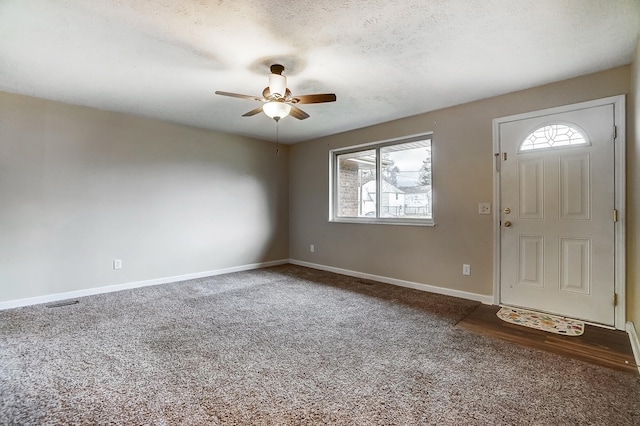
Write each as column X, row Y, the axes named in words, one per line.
column 384, row 182
column 553, row 136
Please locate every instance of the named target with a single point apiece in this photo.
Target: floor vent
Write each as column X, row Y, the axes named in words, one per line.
column 63, row 303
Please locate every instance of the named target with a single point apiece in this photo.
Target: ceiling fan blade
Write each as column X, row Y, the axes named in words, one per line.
column 238, row 95
column 298, row 113
column 253, row 112
column 314, row 99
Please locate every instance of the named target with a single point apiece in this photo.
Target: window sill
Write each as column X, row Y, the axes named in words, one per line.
column 374, row 221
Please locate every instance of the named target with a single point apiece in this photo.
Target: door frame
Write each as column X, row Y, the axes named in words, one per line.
column 618, row 103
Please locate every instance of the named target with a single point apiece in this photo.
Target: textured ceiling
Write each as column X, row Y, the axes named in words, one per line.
column 384, row 59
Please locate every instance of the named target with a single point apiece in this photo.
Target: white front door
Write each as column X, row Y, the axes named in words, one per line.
column 557, row 213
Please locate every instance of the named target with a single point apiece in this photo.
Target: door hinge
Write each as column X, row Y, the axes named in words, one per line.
column 615, row 299
column 497, row 155
column 615, row 215
column 615, row 132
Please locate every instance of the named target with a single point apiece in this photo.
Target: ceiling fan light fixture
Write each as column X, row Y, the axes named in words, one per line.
column 276, row 109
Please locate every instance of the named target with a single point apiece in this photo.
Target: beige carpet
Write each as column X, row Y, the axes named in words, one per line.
column 287, row 346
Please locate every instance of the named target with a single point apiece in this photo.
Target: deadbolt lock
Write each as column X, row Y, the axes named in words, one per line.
column 506, row 210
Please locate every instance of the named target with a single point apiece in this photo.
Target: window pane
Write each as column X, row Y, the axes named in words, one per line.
column 553, row 136
column 406, row 180
column 356, row 184
column 388, row 182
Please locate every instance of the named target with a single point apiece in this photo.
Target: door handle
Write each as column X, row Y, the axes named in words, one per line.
column 507, row 223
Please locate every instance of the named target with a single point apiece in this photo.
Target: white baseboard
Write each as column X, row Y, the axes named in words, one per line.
column 125, row 286
column 487, row 300
column 49, row 298
column 635, row 343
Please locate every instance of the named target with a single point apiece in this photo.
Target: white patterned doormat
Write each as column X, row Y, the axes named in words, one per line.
column 546, row 322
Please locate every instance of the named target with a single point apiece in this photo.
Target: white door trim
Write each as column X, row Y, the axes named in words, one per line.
column 618, row 103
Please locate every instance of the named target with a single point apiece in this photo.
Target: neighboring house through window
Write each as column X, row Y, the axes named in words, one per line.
column 383, row 182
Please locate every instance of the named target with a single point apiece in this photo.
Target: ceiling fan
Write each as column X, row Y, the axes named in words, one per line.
column 277, row 99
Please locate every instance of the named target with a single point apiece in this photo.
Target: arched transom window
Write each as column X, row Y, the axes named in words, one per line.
column 553, row 136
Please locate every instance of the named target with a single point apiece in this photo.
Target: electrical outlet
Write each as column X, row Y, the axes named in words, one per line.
column 484, row 208
column 117, row 263
column 466, row 269
column 312, row 248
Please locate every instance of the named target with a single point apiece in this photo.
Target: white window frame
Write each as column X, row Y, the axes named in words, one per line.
column 333, row 182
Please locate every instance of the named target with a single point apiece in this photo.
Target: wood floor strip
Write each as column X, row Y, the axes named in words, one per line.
column 608, row 348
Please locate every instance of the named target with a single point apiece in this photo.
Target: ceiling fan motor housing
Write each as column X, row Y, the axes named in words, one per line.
column 277, row 81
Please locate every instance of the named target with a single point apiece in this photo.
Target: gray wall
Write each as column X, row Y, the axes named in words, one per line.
column 462, row 176
column 80, row 187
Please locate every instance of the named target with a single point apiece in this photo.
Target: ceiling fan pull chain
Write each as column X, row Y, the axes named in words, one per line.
column 277, row 138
